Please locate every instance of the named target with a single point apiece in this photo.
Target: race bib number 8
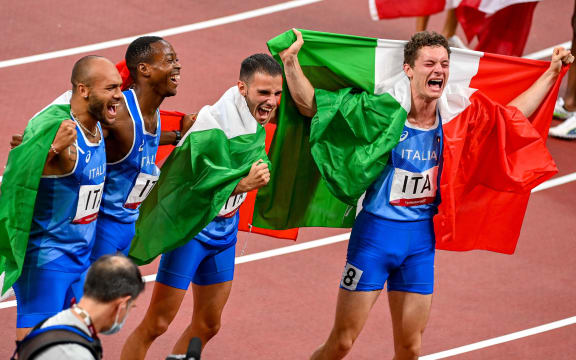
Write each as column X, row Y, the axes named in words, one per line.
column 89, row 200
column 232, row 204
column 143, row 187
column 412, row 189
column 350, row 277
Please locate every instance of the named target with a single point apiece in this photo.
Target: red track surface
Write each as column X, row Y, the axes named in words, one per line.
column 282, row 307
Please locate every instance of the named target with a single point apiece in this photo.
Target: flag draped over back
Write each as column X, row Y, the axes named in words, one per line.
column 199, row 176
column 20, row 186
column 493, row 156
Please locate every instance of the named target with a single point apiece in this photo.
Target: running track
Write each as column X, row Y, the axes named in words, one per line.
column 282, row 307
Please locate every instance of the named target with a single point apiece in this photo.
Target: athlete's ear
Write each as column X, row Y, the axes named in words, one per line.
column 408, row 71
column 242, row 88
column 83, row 90
column 143, row 69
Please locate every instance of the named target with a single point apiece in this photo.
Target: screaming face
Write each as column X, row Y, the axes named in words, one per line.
column 262, row 93
column 104, row 95
column 430, row 72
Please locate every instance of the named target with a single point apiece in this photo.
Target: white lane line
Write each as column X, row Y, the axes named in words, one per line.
column 501, row 339
column 251, row 257
column 163, row 33
column 546, row 52
column 279, row 251
column 555, row 182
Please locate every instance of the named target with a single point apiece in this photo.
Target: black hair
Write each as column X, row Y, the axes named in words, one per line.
column 421, row 39
column 261, row 63
column 80, row 71
column 140, row 51
column 112, row 277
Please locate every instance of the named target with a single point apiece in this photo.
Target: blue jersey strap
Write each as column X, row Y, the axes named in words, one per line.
column 41, row 339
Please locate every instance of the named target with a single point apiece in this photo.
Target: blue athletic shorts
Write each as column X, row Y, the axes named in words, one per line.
column 400, row 252
column 196, row 262
column 112, row 237
column 42, row 293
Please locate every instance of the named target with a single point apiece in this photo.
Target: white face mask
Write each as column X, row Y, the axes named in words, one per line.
column 117, row 325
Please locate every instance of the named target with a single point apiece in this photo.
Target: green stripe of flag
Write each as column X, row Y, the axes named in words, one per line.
column 322, row 166
column 198, row 178
column 20, row 186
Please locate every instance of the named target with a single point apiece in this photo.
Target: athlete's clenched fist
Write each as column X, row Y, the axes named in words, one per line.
column 258, row 177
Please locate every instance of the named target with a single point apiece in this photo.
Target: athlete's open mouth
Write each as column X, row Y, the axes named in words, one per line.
column 175, row 78
column 264, row 111
column 112, row 110
column 435, row 83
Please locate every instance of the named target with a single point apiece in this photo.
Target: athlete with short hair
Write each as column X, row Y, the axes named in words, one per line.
column 132, row 142
column 393, row 237
column 68, row 198
column 207, row 260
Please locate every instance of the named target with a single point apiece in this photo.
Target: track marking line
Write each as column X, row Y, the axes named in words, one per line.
column 251, row 257
column 279, row 251
column 163, row 33
column 555, row 182
column 501, row 339
column 546, row 52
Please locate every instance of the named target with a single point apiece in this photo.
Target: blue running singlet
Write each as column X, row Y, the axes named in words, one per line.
column 63, row 226
column 407, row 189
column 131, row 179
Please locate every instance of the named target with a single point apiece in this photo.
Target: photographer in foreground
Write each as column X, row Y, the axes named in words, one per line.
column 112, row 284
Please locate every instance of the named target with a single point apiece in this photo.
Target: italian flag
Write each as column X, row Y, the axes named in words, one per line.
column 493, row 155
column 199, row 176
column 20, row 186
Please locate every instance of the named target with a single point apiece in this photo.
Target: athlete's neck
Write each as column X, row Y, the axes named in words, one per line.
column 149, row 102
column 423, row 112
column 79, row 109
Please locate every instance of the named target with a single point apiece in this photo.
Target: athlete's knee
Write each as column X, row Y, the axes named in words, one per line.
column 407, row 353
column 408, row 348
column 209, row 327
column 156, row 327
column 342, row 341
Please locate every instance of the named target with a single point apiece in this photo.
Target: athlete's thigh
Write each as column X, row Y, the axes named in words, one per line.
column 179, row 266
column 216, row 267
column 41, row 293
column 209, row 300
column 352, row 310
column 112, row 237
column 410, row 313
column 376, row 247
column 416, row 273
column 164, row 304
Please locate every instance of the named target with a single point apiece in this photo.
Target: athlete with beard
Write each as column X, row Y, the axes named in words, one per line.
column 68, row 198
column 207, row 260
column 132, row 142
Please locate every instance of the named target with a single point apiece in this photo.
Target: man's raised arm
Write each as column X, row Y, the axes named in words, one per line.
column 300, row 88
column 530, row 100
